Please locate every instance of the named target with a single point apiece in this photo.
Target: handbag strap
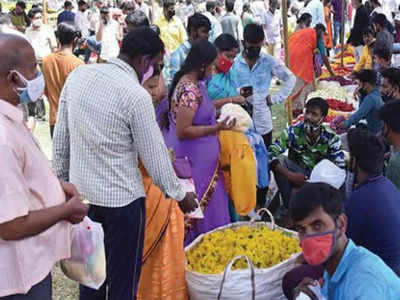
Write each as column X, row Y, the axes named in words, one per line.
column 228, row 270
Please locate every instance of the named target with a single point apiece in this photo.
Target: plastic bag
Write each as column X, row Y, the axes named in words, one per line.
column 87, row 264
column 235, row 111
column 327, row 172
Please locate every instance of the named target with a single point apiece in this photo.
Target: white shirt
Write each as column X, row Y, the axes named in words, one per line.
column 94, row 18
column 43, row 40
column 316, row 9
column 391, row 5
column 216, row 29
column 144, row 8
column 259, row 9
column 273, row 25
column 385, row 11
column 109, row 41
column 82, row 22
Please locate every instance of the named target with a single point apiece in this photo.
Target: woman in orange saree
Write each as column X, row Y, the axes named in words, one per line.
column 163, row 263
column 328, row 41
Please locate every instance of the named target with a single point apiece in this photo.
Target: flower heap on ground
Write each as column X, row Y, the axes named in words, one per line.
column 263, row 246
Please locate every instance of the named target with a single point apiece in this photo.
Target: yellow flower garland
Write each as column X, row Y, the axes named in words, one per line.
column 263, row 246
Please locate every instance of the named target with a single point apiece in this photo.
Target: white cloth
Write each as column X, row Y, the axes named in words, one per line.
column 392, row 5
column 316, row 9
column 109, row 41
column 273, row 26
column 94, row 19
column 358, row 52
column 144, row 8
column 385, row 10
column 82, row 22
column 42, row 40
column 259, row 8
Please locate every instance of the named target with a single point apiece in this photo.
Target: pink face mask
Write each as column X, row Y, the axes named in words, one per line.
column 148, row 73
column 318, row 248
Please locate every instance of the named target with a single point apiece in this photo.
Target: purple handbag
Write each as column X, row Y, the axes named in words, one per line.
column 183, row 168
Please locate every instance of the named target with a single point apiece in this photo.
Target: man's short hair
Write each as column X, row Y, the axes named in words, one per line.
column 392, row 75
column 319, row 103
column 137, row 18
column 198, row 21
column 253, row 33
column 168, row 3
column 67, row 4
column 230, row 5
column 81, row 2
column 383, row 53
column 21, row 4
column 368, row 31
column 66, row 33
column 5, row 19
column 210, row 5
column 380, row 19
column 34, row 11
column 226, row 42
column 314, row 195
column 367, row 149
column 389, row 113
column 367, row 76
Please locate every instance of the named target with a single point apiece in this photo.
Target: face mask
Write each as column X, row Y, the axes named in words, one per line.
column 224, row 64
column 252, row 52
column 318, row 248
column 171, row 14
column 32, row 90
column 148, row 73
column 37, row 23
column 310, row 128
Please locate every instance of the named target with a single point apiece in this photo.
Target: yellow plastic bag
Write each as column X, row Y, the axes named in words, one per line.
column 240, row 171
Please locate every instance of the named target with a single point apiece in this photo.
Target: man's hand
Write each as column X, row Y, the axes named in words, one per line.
column 75, row 210
column 70, row 190
column 189, row 203
column 303, row 287
column 238, row 99
column 298, row 179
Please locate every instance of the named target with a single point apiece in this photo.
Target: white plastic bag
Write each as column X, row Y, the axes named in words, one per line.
column 235, row 111
column 327, row 172
column 188, row 185
column 249, row 284
column 87, row 264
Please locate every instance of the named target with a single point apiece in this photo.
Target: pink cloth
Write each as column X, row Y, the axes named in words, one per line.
column 27, row 183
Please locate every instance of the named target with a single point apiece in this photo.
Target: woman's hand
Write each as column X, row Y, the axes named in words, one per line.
column 238, row 99
column 226, row 124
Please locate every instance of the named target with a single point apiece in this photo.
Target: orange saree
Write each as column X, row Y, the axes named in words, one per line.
column 301, row 54
column 328, row 40
column 163, row 269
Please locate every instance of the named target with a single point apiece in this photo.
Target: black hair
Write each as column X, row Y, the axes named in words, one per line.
column 104, row 10
column 304, row 17
column 67, row 4
column 368, row 31
column 314, row 195
column 367, row 76
column 320, row 26
column 383, row 53
column 226, row 42
column 376, row 2
column 168, row 3
column 319, row 103
column 202, row 54
column 246, row 7
column 210, row 5
column 127, row 6
column 389, row 113
column 66, row 33
column 230, row 5
column 81, row 2
column 380, row 19
column 197, row 21
column 137, row 18
column 34, row 11
column 142, row 41
column 156, row 29
column 367, row 149
column 392, row 75
column 5, row 19
column 21, row 4
column 253, row 33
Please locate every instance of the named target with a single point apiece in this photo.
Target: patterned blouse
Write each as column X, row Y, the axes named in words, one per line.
column 186, row 94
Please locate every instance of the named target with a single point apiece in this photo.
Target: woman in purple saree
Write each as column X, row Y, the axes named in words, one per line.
column 191, row 132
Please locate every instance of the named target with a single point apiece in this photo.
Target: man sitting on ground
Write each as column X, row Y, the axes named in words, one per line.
column 350, row 272
column 308, row 143
column 389, row 114
column 373, row 208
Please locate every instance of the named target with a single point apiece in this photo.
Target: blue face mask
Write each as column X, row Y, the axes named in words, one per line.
column 32, row 90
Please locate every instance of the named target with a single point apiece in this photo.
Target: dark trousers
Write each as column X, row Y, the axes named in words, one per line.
column 284, row 185
column 40, row 291
column 123, row 239
column 267, row 139
column 293, row 278
column 34, row 109
column 51, row 131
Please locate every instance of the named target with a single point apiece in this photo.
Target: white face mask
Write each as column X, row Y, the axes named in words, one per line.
column 37, row 23
column 32, row 90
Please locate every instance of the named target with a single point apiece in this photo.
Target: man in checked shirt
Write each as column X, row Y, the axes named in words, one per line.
column 106, row 122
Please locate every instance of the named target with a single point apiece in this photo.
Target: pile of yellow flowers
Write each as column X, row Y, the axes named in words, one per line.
column 263, row 246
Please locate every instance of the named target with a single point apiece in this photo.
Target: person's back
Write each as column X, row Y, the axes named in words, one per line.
column 384, row 39
column 373, row 212
column 229, row 24
column 361, row 275
column 66, row 16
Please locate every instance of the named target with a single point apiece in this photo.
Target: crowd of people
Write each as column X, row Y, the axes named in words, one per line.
column 135, row 91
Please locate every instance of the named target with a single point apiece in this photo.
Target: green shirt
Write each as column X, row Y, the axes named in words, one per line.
column 18, row 20
column 393, row 169
column 305, row 154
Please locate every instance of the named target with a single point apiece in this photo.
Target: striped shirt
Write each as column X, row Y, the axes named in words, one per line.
column 106, row 121
column 305, row 154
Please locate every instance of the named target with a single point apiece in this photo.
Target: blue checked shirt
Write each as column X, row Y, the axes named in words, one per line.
column 106, row 122
column 177, row 59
